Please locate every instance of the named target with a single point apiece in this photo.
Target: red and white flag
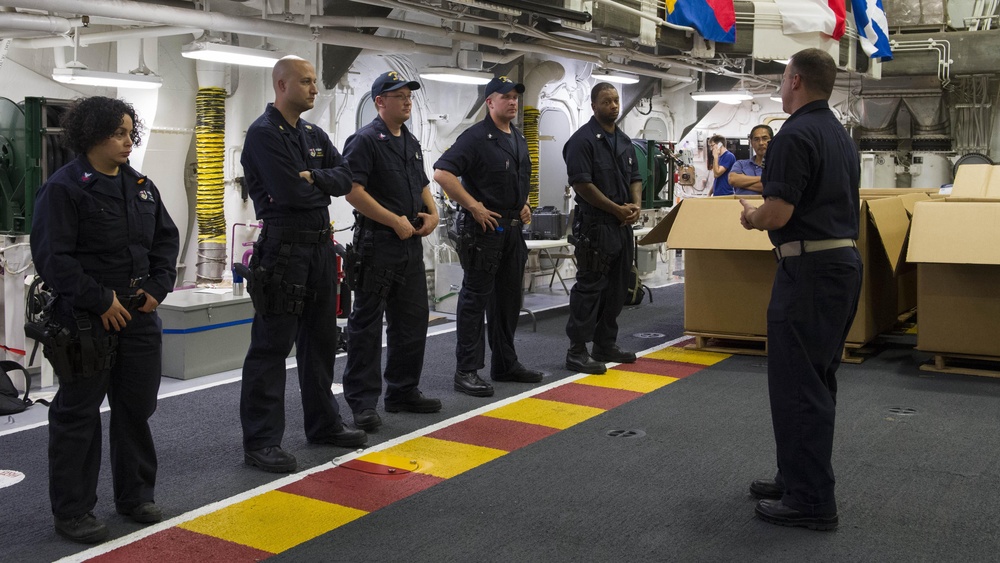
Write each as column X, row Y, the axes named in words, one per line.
column 804, row 16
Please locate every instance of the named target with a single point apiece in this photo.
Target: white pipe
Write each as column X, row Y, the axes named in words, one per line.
column 538, row 77
column 233, row 24
column 641, row 14
column 33, row 22
column 87, row 39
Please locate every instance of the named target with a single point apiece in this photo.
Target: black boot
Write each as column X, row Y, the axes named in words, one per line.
column 469, row 382
column 612, row 354
column 577, row 359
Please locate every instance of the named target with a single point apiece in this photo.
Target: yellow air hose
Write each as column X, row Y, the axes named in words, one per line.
column 531, row 116
column 210, row 147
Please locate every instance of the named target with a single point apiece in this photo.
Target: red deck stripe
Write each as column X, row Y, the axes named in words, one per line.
column 178, row 544
column 362, row 485
column 507, row 435
column 669, row 368
column 589, row 395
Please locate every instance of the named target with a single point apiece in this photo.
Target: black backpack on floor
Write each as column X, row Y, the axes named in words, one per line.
column 10, row 402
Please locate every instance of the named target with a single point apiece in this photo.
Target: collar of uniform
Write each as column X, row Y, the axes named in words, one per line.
column 598, row 131
column 493, row 132
column 810, row 107
column 85, row 173
column 383, row 130
column 279, row 120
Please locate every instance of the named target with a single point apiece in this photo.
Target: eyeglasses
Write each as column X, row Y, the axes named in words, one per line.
column 404, row 97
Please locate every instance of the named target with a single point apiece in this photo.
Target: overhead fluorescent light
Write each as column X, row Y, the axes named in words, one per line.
column 77, row 73
column 775, row 97
column 455, row 75
column 615, row 76
column 731, row 97
column 230, row 54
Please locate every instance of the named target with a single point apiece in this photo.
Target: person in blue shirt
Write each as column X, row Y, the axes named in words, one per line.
column 292, row 170
column 811, row 213
column 394, row 210
column 492, row 160
column 103, row 242
column 746, row 173
column 721, row 163
column 604, row 172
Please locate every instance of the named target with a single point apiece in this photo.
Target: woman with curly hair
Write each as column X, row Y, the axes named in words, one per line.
column 102, row 241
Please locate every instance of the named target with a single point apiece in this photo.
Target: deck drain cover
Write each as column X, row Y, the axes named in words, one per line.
column 625, row 433
column 903, row 410
column 648, row 335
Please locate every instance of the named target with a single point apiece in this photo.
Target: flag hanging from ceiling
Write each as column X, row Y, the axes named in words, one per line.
column 714, row 19
column 804, row 16
column 873, row 28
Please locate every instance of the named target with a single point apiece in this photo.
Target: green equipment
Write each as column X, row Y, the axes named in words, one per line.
column 30, row 150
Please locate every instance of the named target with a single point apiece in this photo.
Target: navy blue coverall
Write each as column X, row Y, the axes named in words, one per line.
column 392, row 172
column 92, row 235
column 498, row 175
column 812, row 163
column 295, row 213
column 597, row 298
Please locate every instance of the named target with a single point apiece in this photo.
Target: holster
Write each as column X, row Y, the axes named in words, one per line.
column 362, row 274
column 589, row 255
column 74, row 356
column 473, row 255
column 269, row 292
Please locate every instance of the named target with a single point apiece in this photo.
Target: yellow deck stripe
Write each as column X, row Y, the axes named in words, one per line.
column 628, row 380
column 675, row 354
column 274, row 521
column 545, row 413
column 440, row 458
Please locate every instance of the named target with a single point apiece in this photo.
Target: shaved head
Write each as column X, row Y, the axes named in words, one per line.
column 295, row 87
column 285, row 68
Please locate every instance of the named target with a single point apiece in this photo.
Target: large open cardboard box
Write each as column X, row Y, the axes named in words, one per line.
column 954, row 244
column 729, row 271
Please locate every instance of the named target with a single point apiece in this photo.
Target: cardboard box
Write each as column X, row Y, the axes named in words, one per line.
column 954, row 244
column 729, row 271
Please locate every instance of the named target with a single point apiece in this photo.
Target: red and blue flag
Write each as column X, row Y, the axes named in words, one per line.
column 714, row 19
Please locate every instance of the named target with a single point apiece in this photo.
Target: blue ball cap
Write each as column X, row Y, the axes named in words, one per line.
column 389, row 81
column 502, row 85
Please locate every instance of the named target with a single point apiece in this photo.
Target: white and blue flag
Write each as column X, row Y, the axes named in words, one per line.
column 873, row 28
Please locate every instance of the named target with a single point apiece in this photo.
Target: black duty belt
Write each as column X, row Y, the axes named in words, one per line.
column 293, row 235
column 600, row 219
column 122, row 282
column 511, row 218
column 132, row 301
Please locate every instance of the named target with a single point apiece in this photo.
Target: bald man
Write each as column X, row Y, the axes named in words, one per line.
column 292, row 170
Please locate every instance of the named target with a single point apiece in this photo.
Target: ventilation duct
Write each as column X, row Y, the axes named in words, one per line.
column 930, row 124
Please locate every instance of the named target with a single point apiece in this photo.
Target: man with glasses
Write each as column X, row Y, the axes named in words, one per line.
column 394, row 209
column 492, row 159
column 745, row 176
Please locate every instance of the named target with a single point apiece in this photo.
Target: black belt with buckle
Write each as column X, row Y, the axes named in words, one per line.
column 293, row 235
column 133, row 301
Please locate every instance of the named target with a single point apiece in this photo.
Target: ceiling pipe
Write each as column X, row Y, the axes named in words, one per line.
column 232, row 24
column 87, row 39
column 629, row 10
column 33, row 22
column 537, row 78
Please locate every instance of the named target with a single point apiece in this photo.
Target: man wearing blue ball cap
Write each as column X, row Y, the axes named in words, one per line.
column 394, row 209
column 492, row 160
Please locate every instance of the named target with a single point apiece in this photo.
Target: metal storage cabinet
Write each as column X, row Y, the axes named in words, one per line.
column 204, row 333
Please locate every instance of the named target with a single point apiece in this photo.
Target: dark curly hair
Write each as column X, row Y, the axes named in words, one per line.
column 89, row 121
